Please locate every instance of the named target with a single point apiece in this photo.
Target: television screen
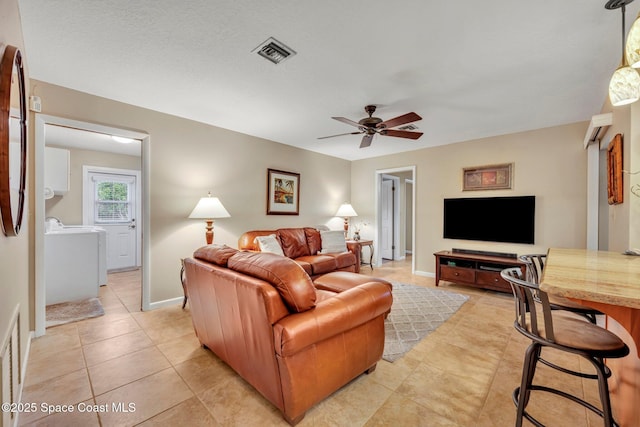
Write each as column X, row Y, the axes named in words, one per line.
column 490, row 219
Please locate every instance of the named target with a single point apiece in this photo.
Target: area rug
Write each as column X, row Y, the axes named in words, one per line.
column 67, row 312
column 416, row 312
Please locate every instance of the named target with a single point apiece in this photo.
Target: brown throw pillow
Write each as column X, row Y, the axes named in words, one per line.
column 291, row 281
column 314, row 242
column 293, row 242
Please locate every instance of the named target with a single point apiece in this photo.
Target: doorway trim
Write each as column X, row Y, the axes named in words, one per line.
column 378, row 183
column 41, row 120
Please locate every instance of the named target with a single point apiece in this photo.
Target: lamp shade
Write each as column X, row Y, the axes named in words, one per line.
column 209, row 207
column 624, row 87
column 346, row 210
column 632, row 48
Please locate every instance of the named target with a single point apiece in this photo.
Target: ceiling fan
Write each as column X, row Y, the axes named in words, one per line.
column 369, row 126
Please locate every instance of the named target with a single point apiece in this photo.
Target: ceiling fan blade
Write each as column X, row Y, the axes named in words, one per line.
column 400, row 120
column 347, row 121
column 340, row 134
column 401, row 133
column 366, row 140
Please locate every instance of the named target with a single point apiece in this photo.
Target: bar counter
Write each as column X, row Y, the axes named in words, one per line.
column 609, row 282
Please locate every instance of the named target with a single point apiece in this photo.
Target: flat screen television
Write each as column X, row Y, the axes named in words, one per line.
column 490, row 219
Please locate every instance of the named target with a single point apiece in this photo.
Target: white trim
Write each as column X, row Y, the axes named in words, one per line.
column 593, row 192
column 424, row 274
column 41, row 120
column 166, row 303
column 23, row 368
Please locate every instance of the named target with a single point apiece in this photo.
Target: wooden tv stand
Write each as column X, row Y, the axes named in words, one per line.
column 482, row 271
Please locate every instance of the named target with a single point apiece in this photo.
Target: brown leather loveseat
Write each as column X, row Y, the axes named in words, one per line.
column 294, row 340
column 304, row 245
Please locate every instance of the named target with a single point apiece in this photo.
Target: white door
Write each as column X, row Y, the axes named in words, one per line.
column 111, row 200
column 386, row 219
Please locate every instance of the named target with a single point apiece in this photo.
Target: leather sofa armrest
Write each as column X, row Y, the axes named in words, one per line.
column 331, row 317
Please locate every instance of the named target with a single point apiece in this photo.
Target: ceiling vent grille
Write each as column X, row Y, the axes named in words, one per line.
column 274, row 51
column 408, row 127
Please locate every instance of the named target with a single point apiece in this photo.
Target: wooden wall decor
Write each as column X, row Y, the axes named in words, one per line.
column 614, row 171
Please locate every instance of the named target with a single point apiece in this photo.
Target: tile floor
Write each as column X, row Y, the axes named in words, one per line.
column 146, row 368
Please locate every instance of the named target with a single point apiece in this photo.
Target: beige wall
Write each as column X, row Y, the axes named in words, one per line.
column 622, row 221
column 68, row 208
column 188, row 159
column 14, row 251
column 548, row 163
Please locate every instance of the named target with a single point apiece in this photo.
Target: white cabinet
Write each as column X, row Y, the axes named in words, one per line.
column 56, row 170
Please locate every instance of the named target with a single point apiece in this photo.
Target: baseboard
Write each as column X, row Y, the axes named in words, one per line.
column 165, row 303
column 424, row 274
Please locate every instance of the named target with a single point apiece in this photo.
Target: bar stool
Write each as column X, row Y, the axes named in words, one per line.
column 564, row 332
column 535, row 267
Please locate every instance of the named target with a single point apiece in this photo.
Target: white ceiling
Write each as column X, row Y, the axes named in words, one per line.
column 470, row 69
column 67, row 137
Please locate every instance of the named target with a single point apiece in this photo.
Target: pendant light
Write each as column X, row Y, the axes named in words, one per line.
column 633, row 44
column 624, row 87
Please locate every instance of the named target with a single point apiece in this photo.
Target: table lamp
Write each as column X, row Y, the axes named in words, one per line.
column 209, row 208
column 346, row 211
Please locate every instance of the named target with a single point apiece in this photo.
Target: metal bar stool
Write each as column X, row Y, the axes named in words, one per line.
column 535, row 267
column 562, row 331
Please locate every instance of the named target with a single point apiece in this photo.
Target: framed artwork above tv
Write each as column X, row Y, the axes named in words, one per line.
column 491, row 177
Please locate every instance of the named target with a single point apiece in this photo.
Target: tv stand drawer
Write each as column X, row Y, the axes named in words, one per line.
column 457, row 274
column 477, row 269
column 492, row 280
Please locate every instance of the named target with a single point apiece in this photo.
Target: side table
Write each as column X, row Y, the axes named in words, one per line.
column 360, row 244
column 183, row 280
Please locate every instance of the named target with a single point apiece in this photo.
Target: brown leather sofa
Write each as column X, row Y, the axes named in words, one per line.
column 303, row 245
column 293, row 340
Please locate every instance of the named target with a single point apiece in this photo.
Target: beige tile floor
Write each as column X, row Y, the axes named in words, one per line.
column 151, row 364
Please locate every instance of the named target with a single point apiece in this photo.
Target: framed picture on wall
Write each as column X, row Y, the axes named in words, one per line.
column 283, row 192
column 614, row 171
column 492, row 177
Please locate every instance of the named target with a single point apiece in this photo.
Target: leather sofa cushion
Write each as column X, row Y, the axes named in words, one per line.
column 320, row 264
column 293, row 284
column 216, row 254
column 314, row 241
column 344, row 259
column 340, row 281
column 293, row 242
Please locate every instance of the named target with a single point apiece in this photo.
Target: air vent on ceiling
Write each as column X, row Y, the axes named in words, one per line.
column 408, row 127
column 274, row 51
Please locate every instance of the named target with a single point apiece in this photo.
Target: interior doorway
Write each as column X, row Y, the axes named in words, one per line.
column 395, row 227
column 43, row 125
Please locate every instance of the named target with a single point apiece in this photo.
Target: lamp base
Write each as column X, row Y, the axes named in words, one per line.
column 209, row 233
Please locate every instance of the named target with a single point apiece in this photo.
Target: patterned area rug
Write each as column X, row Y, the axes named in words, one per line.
column 67, row 312
column 416, row 312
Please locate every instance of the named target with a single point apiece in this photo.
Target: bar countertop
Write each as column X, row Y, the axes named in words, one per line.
column 599, row 276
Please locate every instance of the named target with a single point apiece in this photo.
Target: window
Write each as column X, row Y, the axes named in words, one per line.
column 112, row 201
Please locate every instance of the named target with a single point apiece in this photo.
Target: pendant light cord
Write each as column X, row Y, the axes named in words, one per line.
column 623, row 15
